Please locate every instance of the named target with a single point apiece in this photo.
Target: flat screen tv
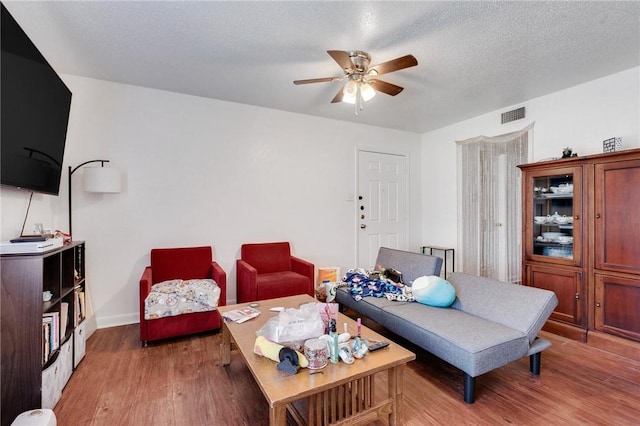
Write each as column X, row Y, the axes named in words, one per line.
column 35, row 113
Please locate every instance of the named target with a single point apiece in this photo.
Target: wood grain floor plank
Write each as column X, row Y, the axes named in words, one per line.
column 181, row 382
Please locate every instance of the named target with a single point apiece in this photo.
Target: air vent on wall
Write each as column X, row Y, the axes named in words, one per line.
column 513, row 115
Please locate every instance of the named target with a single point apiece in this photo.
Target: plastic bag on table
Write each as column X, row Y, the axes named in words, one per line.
column 294, row 325
column 327, row 311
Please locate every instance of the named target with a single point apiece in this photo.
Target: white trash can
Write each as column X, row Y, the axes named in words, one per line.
column 39, row 417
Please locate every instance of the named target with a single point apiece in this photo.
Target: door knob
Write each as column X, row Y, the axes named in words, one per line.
column 363, row 226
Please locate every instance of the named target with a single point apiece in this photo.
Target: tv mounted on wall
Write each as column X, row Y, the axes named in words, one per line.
column 34, row 112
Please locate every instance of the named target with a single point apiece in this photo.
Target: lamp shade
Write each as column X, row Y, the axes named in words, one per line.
column 101, row 179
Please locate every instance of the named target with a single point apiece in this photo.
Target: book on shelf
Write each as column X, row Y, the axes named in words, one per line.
column 46, row 345
column 82, row 312
column 50, row 338
column 76, row 308
column 51, row 333
column 241, row 315
column 79, row 302
column 53, row 319
column 64, row 317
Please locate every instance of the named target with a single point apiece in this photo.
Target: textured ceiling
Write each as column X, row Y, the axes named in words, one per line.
column 474, row 57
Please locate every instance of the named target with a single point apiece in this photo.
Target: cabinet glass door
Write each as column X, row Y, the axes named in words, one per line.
column 554, row 216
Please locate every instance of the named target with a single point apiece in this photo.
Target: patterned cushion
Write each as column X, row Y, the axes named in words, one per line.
column 177, row 297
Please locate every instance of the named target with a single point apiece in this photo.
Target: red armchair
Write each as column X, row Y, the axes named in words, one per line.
column 267, row 270
column 180, row 263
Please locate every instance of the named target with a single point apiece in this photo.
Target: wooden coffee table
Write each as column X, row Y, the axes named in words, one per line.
column 338, row 393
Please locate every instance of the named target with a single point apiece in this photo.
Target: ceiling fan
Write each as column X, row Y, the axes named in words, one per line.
column 363, row 81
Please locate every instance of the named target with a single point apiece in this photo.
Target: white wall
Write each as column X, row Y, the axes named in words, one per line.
column 580, row 117
column 204, row 172
column 201, row 171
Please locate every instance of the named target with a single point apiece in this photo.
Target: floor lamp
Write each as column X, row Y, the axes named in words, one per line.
column 96, row 179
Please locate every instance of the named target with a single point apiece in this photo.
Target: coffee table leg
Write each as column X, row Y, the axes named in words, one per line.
column 225, row 346
column 396, row 387
column 278, row 415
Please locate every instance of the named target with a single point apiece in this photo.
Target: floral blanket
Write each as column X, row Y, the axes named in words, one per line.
column 177, row 297
column 360, row 285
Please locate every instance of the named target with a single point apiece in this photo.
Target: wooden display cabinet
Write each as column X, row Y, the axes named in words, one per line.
column 616, row 216
column 554, row 207
column 616, row 302
column 567, row 284
column 592, row 262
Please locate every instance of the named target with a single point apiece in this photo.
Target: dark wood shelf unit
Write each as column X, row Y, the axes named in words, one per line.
column 24, row 279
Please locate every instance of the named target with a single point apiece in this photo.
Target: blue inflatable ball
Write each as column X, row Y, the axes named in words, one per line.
column 433, row 291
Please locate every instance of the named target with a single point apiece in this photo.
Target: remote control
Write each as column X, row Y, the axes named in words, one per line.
column 377, row 345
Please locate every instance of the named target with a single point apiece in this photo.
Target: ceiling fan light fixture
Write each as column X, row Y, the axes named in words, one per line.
column 350, row 92
column 367, row 91
column 362, row 80
column 355, row 89
column 349, row 100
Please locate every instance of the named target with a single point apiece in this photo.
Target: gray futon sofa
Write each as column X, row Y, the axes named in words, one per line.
column 490, row 324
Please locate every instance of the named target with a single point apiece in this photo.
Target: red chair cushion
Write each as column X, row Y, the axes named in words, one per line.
column 280, row 284
column 267, row 257
column 184, row 263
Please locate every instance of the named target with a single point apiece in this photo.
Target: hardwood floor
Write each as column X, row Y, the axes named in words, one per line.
column 181, row 382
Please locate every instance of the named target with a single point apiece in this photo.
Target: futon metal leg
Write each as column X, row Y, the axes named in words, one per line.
column 534, row 363
column 469, row 389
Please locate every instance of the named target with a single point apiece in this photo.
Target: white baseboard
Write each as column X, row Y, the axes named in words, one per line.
column 116, row 320
column 91, row 326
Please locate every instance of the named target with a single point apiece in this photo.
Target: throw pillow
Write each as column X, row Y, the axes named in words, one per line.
column 433, row 291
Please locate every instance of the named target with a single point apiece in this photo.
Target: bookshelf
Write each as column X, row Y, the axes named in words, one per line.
column 41, row 341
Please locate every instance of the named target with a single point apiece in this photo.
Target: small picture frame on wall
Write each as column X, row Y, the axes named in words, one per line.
column 612, row 145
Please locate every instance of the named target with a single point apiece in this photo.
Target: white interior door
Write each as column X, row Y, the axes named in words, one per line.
column 381, row 204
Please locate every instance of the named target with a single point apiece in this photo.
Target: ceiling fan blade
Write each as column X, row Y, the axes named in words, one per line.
column 338, row 97
column 342, row 58
column 384, row 87
column 394, row 65
column 316, row 80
